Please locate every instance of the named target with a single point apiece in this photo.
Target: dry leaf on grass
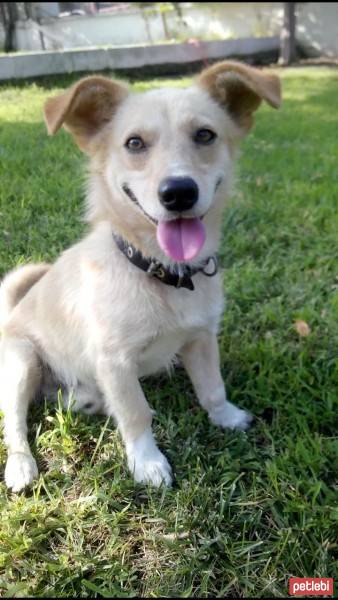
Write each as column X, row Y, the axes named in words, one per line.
column 302, row 328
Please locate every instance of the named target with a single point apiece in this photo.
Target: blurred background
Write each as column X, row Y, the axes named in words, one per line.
column 172, row 36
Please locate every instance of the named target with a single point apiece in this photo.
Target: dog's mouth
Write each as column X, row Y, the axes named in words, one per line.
column 133, row 198
column 181, row 239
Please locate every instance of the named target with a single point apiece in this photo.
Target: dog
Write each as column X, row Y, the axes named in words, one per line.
column 142, row 287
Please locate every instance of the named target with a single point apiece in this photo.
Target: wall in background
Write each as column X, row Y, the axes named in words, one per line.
column 205, row 21
column 317, row 26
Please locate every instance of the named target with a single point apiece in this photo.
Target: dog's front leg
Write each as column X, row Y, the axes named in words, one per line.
column 201, row 361
column 125, row 401
column 20, row 377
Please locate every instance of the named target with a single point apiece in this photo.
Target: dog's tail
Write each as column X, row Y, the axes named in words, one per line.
column 16, row 285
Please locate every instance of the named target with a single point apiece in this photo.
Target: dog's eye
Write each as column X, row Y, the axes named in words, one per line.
column 135, row 144
column 204, row 136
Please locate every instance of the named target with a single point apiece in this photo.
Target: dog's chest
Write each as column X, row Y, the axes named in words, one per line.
column 160, row 352
column 189, row 315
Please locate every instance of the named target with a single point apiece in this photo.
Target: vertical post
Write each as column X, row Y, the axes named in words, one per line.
column 10, row 16
column 164, row 24
column 28, row 10
column 288, row 35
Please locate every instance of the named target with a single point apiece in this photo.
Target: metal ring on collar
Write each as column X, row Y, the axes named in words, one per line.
column 215, row 265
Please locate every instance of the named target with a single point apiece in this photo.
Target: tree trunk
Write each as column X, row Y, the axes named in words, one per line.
column 288, row 35
column 9, row 16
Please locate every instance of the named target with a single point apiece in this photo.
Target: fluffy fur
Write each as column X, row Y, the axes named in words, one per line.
column 109, row 323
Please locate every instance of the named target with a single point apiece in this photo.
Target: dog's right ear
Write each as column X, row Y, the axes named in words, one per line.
column 85, row 108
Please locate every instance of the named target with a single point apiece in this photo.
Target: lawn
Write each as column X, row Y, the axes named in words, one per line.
column 248, row 510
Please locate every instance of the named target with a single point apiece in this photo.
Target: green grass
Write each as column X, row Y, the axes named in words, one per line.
column 247, row 510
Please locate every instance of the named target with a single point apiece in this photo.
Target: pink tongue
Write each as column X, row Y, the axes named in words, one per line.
column 181, row 239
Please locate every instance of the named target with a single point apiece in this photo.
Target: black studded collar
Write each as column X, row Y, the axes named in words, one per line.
column 153, row 268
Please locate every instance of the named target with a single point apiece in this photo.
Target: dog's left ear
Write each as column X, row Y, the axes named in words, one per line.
column 85, row 108
column 240, row 90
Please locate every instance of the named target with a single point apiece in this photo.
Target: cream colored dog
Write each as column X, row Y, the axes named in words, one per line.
column 120, row 304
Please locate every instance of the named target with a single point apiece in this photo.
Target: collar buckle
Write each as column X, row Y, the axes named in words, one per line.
column 155, row 269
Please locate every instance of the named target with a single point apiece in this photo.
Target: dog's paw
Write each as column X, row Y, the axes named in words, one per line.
column 21, row 470
column 154, row 471
column 147, row 463
column 229, row 416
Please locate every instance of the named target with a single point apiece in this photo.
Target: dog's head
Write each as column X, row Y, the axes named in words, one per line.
column 164, row 157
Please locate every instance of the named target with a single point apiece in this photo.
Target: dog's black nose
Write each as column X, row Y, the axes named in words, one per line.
column 178, row 193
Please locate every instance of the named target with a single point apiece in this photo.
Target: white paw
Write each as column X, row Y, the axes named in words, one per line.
column 155, row 471
column 229, row 416
column 20, row 471
column 147, row 463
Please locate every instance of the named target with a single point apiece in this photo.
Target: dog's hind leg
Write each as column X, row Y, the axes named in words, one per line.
column 201, row 361
column 20, row 375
